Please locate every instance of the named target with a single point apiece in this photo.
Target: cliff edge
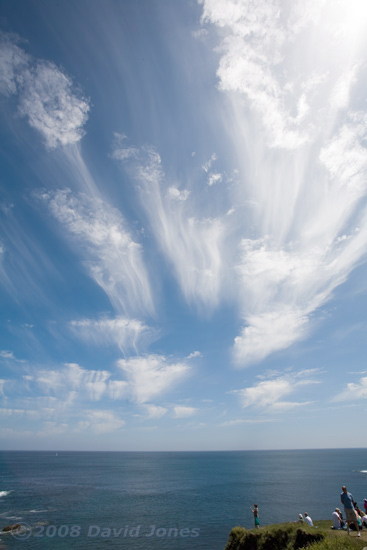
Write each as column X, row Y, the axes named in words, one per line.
column 294, row 536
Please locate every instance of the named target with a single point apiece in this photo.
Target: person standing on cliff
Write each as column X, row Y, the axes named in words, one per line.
column 255, row 511
column 348, row 502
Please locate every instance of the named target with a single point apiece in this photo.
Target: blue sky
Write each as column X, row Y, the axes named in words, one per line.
column 183, row 224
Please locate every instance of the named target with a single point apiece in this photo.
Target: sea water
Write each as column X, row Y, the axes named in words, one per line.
column 166, row 501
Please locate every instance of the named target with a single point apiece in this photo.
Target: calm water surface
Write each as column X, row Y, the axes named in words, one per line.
column 166, row 501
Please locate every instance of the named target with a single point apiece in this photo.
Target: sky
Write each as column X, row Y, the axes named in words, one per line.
column 183, row 224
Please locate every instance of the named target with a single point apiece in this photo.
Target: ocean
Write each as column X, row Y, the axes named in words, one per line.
column 167, row 500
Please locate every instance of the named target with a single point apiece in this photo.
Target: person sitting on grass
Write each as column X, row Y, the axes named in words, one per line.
column 308, row 520
column 337, row 522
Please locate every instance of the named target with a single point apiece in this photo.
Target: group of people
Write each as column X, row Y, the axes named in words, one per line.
column 355, row 518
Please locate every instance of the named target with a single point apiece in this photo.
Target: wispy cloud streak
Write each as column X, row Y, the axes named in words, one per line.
column 306, row 170
column 73, row 380
column 112, row 257
column 268, row 395
column 24, row 266
column 194, row 244
column 121, row 331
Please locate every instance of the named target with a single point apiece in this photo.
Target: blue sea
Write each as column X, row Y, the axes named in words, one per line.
column 168, row 500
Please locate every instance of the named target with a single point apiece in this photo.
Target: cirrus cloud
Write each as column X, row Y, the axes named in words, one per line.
column 113, row 259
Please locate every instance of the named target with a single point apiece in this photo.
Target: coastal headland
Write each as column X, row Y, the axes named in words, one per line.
column 293, row 536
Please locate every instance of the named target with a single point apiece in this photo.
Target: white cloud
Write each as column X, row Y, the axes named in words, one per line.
column 181, row 411
column 119, row 149
column 252, row 51
column 52, row 428
column 194, row 244
column 62, row 394
column 305, row 221
column 19, row 412
column 102, row 422
column 284, row 406
column 214, row 177
column 267, row 333
column 207, row 165
column 124, row 332
column 13, row 60
column 72, row 379
column 175, row 194
column 313, row 249
column 124, row 154
column 229, row 423
column 238, row 421
column 294, row 235
column 9, row 355
column 263, row 60
column 353, row 392
column 268, row 395
column 47, row 97
column 113, row 258
column 340, row 95
column 194, row 354
column 51, row 106
column 5, row 354
column 265, row 393
column 345, row 158
column 155, row 411
column 118, row 389
column 151, row 375
column 200, row 34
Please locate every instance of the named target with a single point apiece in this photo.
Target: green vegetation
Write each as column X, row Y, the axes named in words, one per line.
column 294, row 536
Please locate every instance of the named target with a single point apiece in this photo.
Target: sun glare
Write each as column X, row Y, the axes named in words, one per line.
column 354, row 14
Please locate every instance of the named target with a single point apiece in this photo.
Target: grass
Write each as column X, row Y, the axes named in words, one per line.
column 294, row 536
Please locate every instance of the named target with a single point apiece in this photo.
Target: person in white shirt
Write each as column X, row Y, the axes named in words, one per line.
column 308, row 519
column 337, row 524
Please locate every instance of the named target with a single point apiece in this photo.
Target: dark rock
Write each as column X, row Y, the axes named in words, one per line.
column 10, row 527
